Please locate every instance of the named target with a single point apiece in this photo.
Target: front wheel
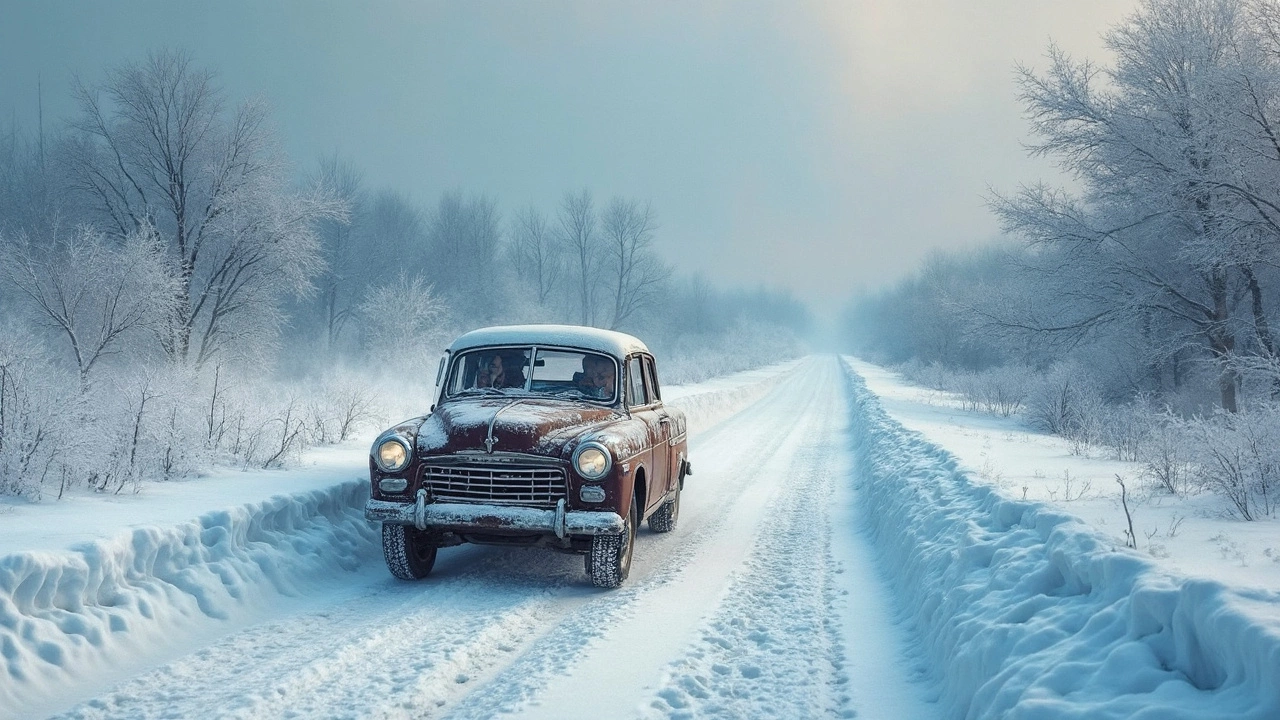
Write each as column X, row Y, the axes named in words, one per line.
column 408, row 551
column 609, row 561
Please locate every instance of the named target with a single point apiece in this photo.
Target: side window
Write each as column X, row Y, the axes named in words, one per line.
column 651, row 375
column 635, row 384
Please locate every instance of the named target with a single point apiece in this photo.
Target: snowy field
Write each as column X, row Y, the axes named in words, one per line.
column 829, row 563
column 1193, row 535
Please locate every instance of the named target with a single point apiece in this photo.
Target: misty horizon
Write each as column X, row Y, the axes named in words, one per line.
column 822, row 149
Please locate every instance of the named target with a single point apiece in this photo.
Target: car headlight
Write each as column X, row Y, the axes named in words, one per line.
column 592, row 460
column 391, row 454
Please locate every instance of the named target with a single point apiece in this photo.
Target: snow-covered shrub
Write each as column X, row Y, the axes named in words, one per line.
column 1237, row 456
column 39, row 408
column 1165, row 456
column 1002, row 390
column 1124, row 430
column 933, row 375
column 999, row 390
column 338, row 406
column 1066, row 401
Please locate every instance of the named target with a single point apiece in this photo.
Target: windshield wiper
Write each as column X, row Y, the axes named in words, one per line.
column 481, row 391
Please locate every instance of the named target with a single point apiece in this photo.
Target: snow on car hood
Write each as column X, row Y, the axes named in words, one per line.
column 524, row 425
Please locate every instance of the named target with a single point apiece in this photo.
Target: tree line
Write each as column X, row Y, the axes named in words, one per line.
column 173, row 294
column 1132, row 313
column 1161, row 268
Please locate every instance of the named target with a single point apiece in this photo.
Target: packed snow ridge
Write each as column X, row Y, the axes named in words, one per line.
column 1023, row 611
column 80, row 612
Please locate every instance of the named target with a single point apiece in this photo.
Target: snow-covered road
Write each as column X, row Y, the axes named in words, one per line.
column 763, row 603
column 828, row 563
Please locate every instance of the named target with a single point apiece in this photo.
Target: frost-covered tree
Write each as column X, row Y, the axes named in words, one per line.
column 577, row 227
column 535, row 254
column 404, row 315
column 464, row 237
column 633, row 269
column 1167, row 145
column 345, row 257
column 93, row 292
column 156, row 147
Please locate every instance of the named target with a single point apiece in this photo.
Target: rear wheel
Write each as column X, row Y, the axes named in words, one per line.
column 408, row 551
column 664, row 518
column 609, row 561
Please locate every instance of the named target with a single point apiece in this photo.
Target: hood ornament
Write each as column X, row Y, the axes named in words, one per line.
column 490, row 440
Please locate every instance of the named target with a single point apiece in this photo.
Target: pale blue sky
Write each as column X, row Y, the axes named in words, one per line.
column 816, row 146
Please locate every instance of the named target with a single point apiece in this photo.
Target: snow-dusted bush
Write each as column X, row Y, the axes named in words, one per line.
column 1001, row 390
column 1166, row 456
column 933, row 375
column 1237, row 456
column 1124, row 430
column 340, row 405
column 1067, row 400
column 38, row 412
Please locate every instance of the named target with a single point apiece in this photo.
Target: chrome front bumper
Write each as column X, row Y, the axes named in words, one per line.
column 462, row 517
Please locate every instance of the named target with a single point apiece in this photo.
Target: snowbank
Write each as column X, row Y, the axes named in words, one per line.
column 1025, row 612
column 149, row 591
column 83, row 610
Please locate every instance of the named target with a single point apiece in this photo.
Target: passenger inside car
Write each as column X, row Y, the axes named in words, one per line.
column 597, row 377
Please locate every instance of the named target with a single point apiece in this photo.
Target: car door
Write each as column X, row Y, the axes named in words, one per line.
column 663, row 455
column 642, row 410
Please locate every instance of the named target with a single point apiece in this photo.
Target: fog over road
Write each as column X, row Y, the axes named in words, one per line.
column 765, row 602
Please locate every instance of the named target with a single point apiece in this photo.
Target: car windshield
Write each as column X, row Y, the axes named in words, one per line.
column 553, row 372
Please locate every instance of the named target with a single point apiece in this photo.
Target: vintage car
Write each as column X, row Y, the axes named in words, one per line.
column 551, row 435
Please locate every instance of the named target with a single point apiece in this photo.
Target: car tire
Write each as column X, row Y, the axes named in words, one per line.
column 610, row 558
column 410, row 555
column 664, row 519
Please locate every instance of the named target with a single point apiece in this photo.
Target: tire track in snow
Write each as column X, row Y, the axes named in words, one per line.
column 773, row 647
column 732, row 461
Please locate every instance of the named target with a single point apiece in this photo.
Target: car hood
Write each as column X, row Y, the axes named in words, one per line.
column 520, row 425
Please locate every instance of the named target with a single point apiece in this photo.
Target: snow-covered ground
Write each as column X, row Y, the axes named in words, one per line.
column 828, row 563
column 1025, row 610
column 1189, row 535
column 94, row 587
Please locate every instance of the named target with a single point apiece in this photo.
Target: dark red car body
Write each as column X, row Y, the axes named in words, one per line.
column 499, row 467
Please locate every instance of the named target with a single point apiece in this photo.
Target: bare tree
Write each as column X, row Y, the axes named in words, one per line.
column 155, row 148
column 464, row 236
column 535, row 253
column 341, row 279
column 578, row 233
column 635, row 271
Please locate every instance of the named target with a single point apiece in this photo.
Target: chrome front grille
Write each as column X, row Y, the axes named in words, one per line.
column 535, row 487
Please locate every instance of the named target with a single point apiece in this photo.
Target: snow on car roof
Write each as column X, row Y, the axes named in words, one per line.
column 577, row 336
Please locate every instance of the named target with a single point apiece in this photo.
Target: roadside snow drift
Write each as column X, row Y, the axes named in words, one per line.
column 1025, row 612
column 76, row 612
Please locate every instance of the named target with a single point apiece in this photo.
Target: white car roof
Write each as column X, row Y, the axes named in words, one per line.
column 574, row 336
